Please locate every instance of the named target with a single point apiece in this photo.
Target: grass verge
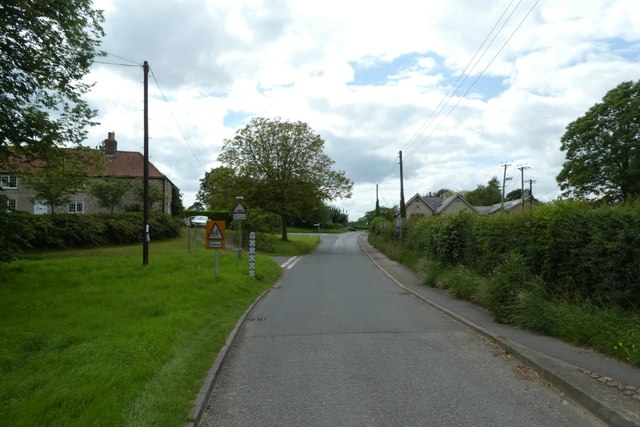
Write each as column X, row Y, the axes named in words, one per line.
column 91, row 337
column 610, row 331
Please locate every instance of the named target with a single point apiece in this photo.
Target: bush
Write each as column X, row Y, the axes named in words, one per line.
column 71, row 230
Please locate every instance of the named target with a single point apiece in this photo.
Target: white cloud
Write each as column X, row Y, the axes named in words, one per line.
column 220, row 63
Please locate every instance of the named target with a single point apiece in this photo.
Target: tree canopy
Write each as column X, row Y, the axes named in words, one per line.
column 46, row 48
column 281, row 167
column 602, row 149
column 485, row 195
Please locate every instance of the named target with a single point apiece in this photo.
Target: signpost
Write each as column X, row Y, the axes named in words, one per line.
column 240, row 214
column 214, row 232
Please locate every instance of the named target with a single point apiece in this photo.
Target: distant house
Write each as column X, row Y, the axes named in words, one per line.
column 125, row 165
column 518, row 205
column 423, row 206
column 420, row 206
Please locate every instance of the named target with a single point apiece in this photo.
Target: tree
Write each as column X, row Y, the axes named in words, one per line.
column 219, row 188
column 61, row 174
column 109, row 192
column 514, row 195
column 46, row 48
column 485, row 195
column 286, row 167
column 602, row 149
column 177, row 207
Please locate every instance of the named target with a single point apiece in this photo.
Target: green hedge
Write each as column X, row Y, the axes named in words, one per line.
column 72, row 230
column 580, row 252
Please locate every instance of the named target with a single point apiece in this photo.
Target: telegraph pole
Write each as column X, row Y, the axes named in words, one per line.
column 504, row 179
column 145, row 214
column 377, row 203
column 522, row 169
column 403, row 209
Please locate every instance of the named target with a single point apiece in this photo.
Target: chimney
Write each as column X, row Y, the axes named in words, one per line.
column 110, row 145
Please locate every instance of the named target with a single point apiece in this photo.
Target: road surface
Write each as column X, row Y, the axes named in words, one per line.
column 337, row 343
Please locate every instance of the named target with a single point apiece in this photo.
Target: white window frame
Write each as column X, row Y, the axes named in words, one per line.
column 76, row 207
column 9, row 181
column 12, row 204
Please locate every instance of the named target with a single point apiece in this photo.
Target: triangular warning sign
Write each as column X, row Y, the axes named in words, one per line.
column 239, row 209
column 215, row 233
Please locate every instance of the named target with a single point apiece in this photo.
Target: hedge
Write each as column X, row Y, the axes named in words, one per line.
column 72, row 230
column 579, row 251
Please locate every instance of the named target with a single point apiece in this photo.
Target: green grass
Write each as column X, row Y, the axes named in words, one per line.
column 296, row 245
column 91, row 337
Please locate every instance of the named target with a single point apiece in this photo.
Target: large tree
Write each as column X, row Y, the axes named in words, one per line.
column 286, row 165
column 46, row 48
column 602, row 149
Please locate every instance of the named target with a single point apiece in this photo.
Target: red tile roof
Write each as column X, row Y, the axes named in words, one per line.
column 129, row 164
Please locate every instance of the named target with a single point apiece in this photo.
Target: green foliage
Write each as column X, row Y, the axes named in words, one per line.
column 46, row 48
column 14, row 234
column 70, row 230
column 581, row 252
column 282, row 168
column 485, row 195
column 177, row 208
column 602, row 147
column 382, row 211
column 109, row 192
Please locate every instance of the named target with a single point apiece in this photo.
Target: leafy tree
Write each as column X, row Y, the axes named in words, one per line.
column 514, row 195
column 46, row 48
column 286, row 166
column 485, row 195
column 155, row 195
column 602, row 149
column 177, row 208
column 220, row 187
column 444, row 193
column 382, row 212
column 61, row 174
column 110, row 192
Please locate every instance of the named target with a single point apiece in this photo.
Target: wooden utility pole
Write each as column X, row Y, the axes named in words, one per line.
column 522, row 169
column 403, row 209
column 377, row 203
column 145, row 209
column 504, row 179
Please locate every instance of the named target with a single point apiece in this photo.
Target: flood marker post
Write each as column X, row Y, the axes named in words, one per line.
column 252, row 254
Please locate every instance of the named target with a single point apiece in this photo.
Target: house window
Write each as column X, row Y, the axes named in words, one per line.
column 9, row 181
column 11, row 204
column 76, row 207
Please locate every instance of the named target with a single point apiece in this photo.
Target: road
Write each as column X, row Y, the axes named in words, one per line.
column 337, row 343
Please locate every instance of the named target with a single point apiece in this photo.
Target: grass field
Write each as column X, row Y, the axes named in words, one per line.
column 91, row 337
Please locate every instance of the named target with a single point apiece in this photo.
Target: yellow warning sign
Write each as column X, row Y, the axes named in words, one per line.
column 215, row 234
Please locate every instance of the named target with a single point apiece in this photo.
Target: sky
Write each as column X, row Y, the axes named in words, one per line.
column 461, row 87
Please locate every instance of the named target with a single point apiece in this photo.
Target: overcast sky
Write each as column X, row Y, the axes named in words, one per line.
column 460, row 86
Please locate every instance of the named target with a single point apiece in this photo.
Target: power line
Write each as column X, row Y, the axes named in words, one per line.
column 477, row 78
column 184, row 137
column 464, row 75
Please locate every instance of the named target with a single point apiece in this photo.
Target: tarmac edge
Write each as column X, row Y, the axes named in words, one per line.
column 202, row 399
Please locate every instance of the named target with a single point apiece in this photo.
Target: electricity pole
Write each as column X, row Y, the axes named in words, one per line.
column 504, row 179
column 403, row 209
column 522, row 169
column 145, row 214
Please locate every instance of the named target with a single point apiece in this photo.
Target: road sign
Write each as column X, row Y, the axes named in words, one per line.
column 215, row 234
column 239, row 213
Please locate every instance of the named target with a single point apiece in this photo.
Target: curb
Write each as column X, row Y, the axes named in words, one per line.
column 544, row 365
column 202, row 399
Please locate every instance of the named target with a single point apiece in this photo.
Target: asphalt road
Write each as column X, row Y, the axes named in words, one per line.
column 337, row 343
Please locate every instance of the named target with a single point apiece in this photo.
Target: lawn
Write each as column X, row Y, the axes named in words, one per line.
column 91, row 337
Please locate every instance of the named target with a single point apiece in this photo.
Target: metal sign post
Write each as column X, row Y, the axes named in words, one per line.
column 214, row 232
column 239, row 214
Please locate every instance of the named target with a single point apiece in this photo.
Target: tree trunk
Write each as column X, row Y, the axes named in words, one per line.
column 284, row 219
